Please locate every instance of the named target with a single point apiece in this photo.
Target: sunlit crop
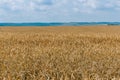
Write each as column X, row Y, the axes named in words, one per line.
column 60, row 53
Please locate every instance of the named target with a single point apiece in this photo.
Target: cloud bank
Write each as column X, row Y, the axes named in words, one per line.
column 62, row 8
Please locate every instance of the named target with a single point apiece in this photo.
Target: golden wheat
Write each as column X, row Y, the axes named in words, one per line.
column 60, row 53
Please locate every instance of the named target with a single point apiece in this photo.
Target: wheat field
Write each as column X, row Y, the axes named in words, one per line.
column 60, row 53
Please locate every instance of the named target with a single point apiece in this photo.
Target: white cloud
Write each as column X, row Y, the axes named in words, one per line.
column 85, row 5
column 56, row 9
column 23, row 4
column 111, row 4
column 77, row 5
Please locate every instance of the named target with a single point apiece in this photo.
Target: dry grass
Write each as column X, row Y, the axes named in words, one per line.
column 60, row 53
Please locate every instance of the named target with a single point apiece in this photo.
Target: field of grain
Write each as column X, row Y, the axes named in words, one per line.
column 60, row 53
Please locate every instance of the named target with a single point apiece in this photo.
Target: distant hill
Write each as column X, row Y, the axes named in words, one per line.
column 60, row 24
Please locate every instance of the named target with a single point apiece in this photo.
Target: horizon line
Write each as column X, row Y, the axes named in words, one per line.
column 68, row 22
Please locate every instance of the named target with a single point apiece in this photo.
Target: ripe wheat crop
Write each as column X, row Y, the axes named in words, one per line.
column 60, row 53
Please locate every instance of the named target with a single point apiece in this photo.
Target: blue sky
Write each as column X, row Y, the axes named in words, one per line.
column 59, row 10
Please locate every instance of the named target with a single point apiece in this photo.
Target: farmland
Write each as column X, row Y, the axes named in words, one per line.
column 60, row 53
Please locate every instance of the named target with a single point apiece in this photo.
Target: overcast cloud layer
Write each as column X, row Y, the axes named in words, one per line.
column 59, row 10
